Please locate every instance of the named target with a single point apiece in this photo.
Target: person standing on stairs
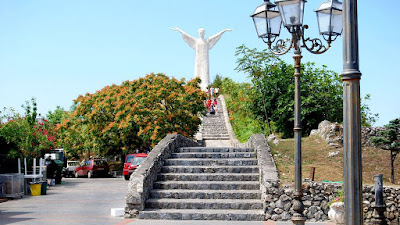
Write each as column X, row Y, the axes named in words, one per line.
column 216, row 90
column 215, row 103
column 212, row 91
column 212, row 109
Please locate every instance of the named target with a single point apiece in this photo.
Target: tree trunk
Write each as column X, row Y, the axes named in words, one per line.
column 393, row 155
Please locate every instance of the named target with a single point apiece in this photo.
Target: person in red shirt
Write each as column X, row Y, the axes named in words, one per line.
column 209, row 102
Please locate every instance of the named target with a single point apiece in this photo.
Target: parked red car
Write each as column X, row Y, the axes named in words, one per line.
column 132, row 161
column 93, row 167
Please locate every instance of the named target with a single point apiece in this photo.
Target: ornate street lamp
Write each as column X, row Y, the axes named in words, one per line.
column 268, row 26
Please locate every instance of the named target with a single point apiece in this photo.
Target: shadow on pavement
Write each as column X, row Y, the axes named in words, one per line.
column 7, row 217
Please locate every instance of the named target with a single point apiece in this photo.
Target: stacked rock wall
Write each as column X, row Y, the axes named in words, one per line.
column 316, row 200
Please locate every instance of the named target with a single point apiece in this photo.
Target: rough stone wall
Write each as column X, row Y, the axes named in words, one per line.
column 332, row 133
column 232, row 137
column 141, row 182
column 316, row 198
column 269, row 179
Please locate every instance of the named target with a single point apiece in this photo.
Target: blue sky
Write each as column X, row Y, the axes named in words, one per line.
column 57, row 50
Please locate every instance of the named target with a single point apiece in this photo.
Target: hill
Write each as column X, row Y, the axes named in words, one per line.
column 315, row 153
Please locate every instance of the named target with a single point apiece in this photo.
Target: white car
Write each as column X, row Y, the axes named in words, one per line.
column 70, row 170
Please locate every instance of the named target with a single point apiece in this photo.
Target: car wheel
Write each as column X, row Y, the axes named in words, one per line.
column 76, row 174
column 126, row 177
column 89, row 174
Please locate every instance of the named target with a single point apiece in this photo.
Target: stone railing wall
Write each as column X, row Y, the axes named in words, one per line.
column 141, row 182
column 268, row 172
column 316, row 200
column 269, row 179
column 232, row 137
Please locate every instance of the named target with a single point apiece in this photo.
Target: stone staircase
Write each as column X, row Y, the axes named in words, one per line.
column 208, row 183
column 200, row 183
column 213, row 126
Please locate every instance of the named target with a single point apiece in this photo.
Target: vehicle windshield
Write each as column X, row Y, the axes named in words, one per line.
column 73, row 163
column 99, row 163
column 138, row 160
column 129, row 158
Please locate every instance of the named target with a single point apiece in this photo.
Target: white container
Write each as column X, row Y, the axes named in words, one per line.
column 117, row 212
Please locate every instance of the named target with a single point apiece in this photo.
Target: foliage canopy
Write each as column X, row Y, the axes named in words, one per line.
column 273, row 91
column 25, row 136
column 134, row 115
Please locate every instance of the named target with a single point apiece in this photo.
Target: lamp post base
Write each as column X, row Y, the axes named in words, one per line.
column 298, row 219
column 379, row 218
column 298, row 206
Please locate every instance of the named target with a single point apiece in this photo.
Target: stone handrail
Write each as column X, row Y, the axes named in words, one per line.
column 268, row 172
column 141, row 182
column 232, row 137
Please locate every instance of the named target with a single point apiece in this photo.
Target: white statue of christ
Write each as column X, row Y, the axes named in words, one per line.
column 201, row 46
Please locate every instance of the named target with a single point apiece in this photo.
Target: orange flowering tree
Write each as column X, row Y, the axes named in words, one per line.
column 134, row 115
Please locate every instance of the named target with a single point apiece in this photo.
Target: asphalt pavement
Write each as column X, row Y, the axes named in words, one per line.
column 87, row 201
column 75, row 201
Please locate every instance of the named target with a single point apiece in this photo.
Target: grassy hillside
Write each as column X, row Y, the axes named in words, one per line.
column 315, row 153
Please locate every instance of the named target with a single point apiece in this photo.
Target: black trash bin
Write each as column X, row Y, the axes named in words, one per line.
column 44, row 188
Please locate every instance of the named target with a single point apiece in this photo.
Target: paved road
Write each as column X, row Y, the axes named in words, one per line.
column 86, row 201
column 75, row 201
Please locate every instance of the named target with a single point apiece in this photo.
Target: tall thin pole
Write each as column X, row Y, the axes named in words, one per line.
column 298, row 207
column 351, row 116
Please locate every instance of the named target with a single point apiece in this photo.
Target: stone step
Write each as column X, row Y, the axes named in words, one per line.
column 216, row 134
column 208, row 185
column 207, row 177
column 214, row 149
column 206, row 137
column 205, row 194
column 210, row 121
column 214, row 155
column 207, row 169
column 211, row 162
column 202, row 214
column 215, row 131
column 214, row 128
column 170, row 203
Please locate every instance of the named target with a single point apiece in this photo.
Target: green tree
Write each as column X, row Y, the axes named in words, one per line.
column 367, row 118
column 134, row 115
column 24, row 134
column 217, row 81
column 389, row 139
column 57, row 116
column 273, row 80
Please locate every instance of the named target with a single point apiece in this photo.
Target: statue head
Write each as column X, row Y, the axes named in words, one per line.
column 202, row 32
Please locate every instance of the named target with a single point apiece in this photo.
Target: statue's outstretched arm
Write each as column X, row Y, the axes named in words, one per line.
column 215, row 38
column 187, row 38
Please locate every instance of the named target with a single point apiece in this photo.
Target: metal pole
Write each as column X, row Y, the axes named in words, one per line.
column 298, row 207
column 351, row 116
column 380, row 207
